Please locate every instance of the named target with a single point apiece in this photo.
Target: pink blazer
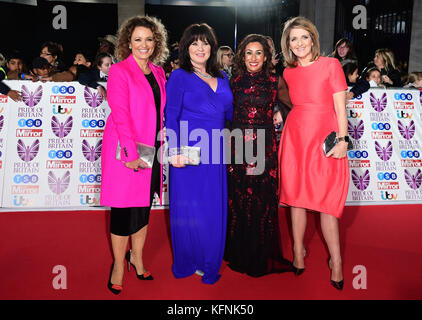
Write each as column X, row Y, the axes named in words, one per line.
column 132, row 119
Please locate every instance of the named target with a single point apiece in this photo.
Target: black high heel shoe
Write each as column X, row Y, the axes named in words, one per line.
column 299, row 271
column 114, row 288
column 145, row 276
column 336, row 284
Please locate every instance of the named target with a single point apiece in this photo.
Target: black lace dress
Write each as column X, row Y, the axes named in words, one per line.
column 253, row 244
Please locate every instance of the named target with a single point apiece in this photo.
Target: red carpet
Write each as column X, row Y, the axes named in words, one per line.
column 386, row 240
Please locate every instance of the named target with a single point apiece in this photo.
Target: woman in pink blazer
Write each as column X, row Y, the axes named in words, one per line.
column 136, row 96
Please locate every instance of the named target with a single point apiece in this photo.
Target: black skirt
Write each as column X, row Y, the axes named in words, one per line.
column 127, row 221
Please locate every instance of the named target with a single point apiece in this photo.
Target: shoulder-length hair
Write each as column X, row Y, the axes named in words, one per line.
column 350, row 54
column 194, row 33
column 222, row 50
column 158, row 30
column 239, row 60
column 290, row 59
column 388, row 58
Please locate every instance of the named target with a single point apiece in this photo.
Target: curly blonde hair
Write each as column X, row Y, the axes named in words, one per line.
column 159, row 32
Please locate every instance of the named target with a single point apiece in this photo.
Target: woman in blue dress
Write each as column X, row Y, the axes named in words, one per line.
column 199, row 101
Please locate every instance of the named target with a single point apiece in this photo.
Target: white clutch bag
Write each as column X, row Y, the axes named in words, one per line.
column 145, row 152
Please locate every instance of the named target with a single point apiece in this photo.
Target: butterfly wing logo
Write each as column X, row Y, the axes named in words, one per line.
column 378, row 104
column 28, row 153
column 407, row 132
column 61, row 130
column 356, row 131
column 1, row 122
column 31, row 99
column 93, row 99
column 91, row 153
column 361, row 182
column 414, row 181
column 384, row 153
column 58, row 185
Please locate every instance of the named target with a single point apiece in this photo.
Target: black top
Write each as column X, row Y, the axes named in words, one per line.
column 157, row 97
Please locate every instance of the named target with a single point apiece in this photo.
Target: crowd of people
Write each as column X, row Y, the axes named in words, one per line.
column 217, row 211
column 89, row 69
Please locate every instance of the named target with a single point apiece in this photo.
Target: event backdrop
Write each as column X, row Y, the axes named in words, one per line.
column 50, row 146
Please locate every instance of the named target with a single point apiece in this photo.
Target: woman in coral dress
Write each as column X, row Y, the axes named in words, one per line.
column 309, row 179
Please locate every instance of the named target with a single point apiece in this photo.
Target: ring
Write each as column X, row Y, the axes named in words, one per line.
column 136, row 170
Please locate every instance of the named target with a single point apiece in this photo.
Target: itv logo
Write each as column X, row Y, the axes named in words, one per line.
column 385, row 195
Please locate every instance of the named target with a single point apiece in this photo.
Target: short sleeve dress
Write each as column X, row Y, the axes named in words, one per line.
column 308, row 179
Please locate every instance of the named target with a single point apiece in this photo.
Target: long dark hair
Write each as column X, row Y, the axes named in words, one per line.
column 194, row 33
column 239, row 60
column 350, row 54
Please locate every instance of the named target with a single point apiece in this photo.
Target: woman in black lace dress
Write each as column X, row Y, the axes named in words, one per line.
column 253, row 243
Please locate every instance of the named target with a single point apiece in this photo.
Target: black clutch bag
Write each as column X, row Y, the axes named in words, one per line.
column 331, row 141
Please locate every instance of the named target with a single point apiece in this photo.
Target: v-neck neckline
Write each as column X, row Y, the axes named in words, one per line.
column 216, row 89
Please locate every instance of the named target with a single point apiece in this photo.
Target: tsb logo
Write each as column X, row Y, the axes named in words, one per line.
column 357, row 154
column 90, row 178
column 410, row 154
column 359, row 97
column 403, row 96
column 93, row 123
column 25, row 179
column 63, row 89
column 381, row 126
column 387, row 176
column 29, row 123
column 52, row 154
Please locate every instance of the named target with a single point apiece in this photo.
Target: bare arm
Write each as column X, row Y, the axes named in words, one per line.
column 340, row 150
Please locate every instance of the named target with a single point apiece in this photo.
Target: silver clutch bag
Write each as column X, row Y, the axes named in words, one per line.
column 146, row 153
column 193, row 153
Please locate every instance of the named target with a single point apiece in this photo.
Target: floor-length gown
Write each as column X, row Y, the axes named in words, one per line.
column 253, row 244
column 198, row 194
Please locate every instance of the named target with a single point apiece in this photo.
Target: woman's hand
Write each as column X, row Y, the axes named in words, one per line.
column 339, row 151
column 277, row 118
column 15, row 95
column 179, row 160
column 386, row 79
column 136, row 164
column 349, row 95
column 102, row 92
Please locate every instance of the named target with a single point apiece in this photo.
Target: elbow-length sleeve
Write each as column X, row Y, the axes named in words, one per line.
column 174, row 107
column 118, row 100
column 337, row 79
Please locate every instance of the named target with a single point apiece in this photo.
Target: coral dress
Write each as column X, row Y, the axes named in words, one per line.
column 308, row 179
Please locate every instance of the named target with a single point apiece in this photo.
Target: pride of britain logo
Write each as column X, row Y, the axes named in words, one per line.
column 28, row 153
column 93, row 99
column 31, row 98
column 361, row 182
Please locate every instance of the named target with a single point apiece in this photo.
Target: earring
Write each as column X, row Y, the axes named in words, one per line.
column 130, row 48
